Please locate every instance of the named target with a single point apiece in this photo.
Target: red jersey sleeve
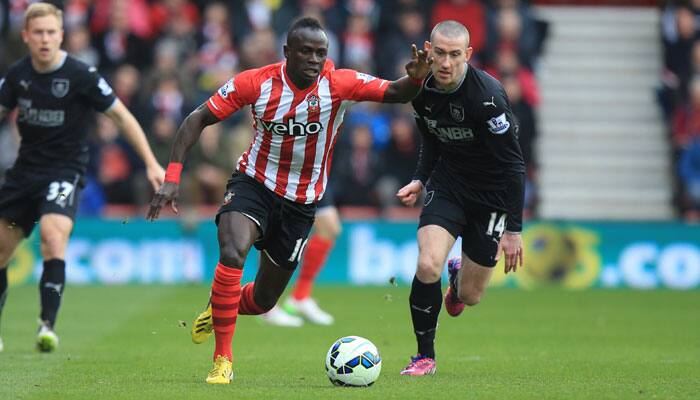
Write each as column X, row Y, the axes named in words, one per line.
column 357, row 86
column 234, row 95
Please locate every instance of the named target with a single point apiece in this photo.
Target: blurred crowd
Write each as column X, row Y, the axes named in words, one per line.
column 165, row 57
column 679, row 97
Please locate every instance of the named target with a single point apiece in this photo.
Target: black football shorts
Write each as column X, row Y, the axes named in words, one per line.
column 479, row 226
column 284, row 225
column 26, row 196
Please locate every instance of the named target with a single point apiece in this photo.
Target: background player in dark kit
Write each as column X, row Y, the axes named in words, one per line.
column 473, row 166
column 54, row 93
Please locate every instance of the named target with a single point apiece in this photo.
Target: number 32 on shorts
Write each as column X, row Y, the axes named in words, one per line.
column 499, row 226
column 60, row 192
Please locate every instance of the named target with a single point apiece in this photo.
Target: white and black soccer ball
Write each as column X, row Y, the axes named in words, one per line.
column 353, row 361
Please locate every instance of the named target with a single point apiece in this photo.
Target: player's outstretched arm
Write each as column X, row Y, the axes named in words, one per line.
column 137, row 138
column 405, row 89
column 187, row 135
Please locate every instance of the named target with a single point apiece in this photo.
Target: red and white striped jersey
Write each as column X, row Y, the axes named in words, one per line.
column 295, row 129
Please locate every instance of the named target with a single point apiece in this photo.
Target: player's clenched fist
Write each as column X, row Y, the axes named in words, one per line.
column 409, row 193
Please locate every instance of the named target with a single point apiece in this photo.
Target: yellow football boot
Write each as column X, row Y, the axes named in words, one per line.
column 222, row 373
column 202, row 327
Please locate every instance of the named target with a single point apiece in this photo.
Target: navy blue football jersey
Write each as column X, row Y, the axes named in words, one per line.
column 470, row 142
column 54, row 115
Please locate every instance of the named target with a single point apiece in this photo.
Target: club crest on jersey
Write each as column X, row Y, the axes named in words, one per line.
column 60, row 87
column 313, row 102
column 457, row 112
column 229, row 87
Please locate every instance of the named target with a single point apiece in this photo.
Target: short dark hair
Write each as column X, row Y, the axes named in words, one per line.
column 451, row 29
column 304, row 22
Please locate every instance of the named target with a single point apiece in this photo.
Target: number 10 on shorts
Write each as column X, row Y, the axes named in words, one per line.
column 298, row 250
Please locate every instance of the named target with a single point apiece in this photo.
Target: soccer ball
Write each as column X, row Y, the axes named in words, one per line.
column 353, row 361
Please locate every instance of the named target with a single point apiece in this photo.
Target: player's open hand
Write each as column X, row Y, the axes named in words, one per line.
column 409, row 193
column 155, row 174
column 419, row 66
column 166, row 194
column 511, row 244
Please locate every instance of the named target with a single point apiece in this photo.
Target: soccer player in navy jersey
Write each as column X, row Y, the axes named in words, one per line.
column 54, row 93
column 298, row 107
column 473, row 172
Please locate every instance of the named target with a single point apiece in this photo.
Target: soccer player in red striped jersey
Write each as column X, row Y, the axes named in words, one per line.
column 298, row 107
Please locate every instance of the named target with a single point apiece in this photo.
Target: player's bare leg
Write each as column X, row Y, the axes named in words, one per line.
column 434, row 244
column 327, row 228
column 468, row 282
column 473, row 280
column 10, row 236
column 54, row 230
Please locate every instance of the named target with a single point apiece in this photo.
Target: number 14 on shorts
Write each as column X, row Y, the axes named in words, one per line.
column 499, row 226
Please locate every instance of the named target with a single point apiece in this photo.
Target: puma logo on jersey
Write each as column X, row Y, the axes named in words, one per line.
column 489, row 103
column 291, row 128
column 25, row 84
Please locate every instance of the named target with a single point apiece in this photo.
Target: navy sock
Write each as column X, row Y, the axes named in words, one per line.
column 51, row 287
column 425, row 301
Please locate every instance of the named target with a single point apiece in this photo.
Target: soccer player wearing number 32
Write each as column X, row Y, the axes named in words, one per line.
column 473, row 172
column 54, row 93
column 298, row 107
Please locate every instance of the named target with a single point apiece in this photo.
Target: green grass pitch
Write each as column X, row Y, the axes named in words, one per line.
column 127, row 343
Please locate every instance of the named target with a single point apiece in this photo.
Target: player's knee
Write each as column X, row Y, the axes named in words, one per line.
column 329, row 231
column 52, row 244
column 470, row 297
column 335, row 231
column 427, row 271
column 231, row 256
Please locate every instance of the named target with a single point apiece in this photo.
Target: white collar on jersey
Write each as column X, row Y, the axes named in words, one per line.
column 438, row 90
